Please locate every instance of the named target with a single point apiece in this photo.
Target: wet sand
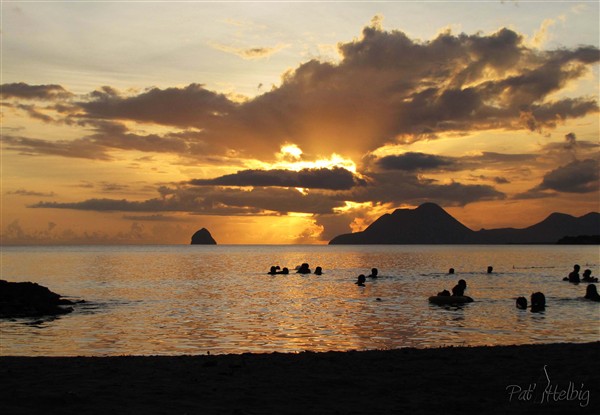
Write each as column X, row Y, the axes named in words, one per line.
column 562, row 378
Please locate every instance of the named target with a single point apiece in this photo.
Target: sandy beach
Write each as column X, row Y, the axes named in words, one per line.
column 554, row 378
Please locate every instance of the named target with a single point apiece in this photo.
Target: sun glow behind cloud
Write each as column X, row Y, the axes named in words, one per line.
column 290, row 157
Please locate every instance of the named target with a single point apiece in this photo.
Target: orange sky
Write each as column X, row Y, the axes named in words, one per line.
column 292, row 123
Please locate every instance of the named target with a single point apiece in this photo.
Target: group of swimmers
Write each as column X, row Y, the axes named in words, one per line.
column 591, row 292
column 300, row 269
column 574, row 276
column 458, row 290
column 538, row 299
column 362, row 279
column 538, row 302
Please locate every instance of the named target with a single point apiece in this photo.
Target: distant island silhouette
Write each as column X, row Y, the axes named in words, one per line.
column 580, row 240
column 430, row 224
column 203, row 237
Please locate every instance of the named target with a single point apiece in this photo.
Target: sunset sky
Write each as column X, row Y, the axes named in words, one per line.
column 292, row 122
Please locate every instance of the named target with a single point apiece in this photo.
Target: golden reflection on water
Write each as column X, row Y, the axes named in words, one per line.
column 192, row 300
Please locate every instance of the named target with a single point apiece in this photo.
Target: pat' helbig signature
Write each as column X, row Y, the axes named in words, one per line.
column 549, row 392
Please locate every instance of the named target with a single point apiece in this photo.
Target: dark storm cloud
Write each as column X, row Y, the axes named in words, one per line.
column 185, row 107
column 580, row 176
column 334, row 179
column 402, row 187
column 22, row 90
column 212, row 201
column 423, row 162
column 416, row 161
column 386, row 88
column 393, row 188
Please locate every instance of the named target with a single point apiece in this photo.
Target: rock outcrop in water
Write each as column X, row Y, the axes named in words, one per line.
column 28, row 299
column 430, row 224
column 203, row 237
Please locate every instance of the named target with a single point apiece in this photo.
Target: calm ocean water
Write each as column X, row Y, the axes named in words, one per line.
column 171, row 300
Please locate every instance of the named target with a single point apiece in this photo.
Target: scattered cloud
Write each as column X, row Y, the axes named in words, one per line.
column 79, row 148
column 22, row 90
column 24, row 192
column 542, row 35
column 250, row 53
column 154, row 218
column 56, row 234
column 107, row 187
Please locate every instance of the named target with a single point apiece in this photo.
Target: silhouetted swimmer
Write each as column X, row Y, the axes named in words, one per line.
column 591, row 293
column 490, row 269
column 361, row 280
column 451, row 271
column 374, row 273
column 284, row 271
column 573, row 275
column 538, row 301
column 459, row 289
column 303, row 269
column 587, row 276
column 273, row 270
column 522, row 303
column 318, row 271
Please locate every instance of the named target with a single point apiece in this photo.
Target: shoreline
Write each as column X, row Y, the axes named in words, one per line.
column 541, row 378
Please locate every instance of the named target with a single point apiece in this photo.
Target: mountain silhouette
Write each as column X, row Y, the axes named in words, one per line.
column 203, row 237
column 555, row 227
column 430, row 224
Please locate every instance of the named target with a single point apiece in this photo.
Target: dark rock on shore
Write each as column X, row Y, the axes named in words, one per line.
column 203, row 237
column 28, row 299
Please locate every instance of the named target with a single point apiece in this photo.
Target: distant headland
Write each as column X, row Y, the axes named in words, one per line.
column 430, row 224
column 203, row 237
